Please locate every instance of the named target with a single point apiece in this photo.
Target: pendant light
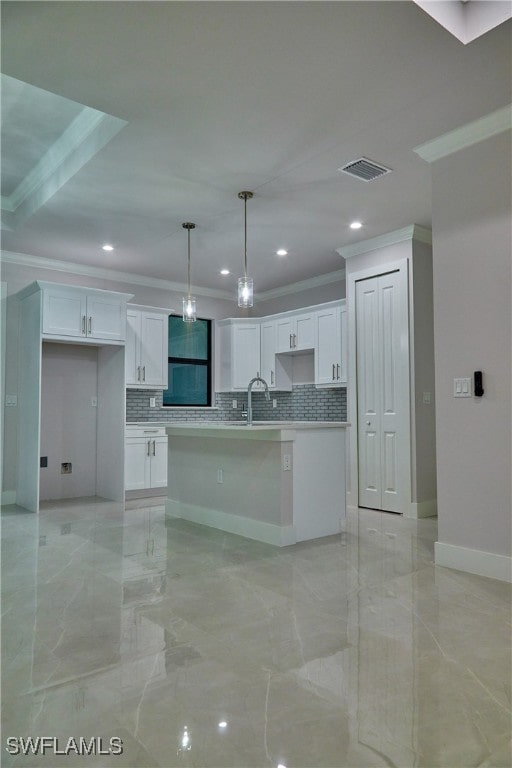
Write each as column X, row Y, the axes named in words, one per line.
column 189, row 302
column 245, row 284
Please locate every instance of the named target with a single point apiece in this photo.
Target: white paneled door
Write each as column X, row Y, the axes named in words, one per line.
column 382, row 351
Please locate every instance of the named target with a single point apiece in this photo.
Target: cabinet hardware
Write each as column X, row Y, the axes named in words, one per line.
column 154, row 447
column 148, row 453
column 338, row 371
column 143, row 373
column 333, row 376
column 138, row 373
column 291, row 345
column 271, row 377
column 150, row 431
column 90, row 325
column 83, row 325
column 294, row 340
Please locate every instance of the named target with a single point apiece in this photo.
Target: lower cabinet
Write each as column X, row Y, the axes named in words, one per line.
column 145, row 458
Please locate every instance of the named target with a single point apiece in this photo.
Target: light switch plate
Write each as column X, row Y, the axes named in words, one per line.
column 462, row 387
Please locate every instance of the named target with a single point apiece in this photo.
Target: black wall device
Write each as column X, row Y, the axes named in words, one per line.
column 478, row 388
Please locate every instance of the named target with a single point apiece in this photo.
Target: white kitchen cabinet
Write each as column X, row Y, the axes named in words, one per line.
column 275, row 369
column 331, row 347
column 295, row 333
column 147, row 331
column 145, row 458
column 84, row 314
column 239, row 346
column 45, row 310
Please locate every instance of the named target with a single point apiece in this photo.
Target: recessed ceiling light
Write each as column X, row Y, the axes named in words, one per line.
column 225, row 272
column 282, row 252
column 223, row 724
column 107, row 247
column 356, row 225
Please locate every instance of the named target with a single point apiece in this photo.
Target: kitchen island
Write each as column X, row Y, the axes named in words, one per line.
column 272, row 481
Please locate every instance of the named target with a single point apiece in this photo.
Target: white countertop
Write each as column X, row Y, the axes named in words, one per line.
column 259, row 430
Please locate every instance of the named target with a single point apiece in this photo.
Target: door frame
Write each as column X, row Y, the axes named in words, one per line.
column 401, row 265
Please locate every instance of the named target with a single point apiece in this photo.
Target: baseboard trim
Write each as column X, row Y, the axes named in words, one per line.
column 420, row 509
column 473, row 561
column 280, row 536
column 8, row 497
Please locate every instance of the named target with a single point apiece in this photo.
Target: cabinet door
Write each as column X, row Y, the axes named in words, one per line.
column 136, row 463
column 132, row 347
column 304, row 332
column 295, row 333
column 268, row 353
column 245, row 354
column 106, row 317
column 153, row 349
column 64, row 312
column 284, row 334
column 158, row 451
column 328, row 349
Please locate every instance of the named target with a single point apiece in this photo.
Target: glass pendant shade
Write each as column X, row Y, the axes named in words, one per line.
column 189, row 309
column 189, row 302
column 245, row 292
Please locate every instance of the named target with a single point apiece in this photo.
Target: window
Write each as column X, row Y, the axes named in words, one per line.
column 189, row 362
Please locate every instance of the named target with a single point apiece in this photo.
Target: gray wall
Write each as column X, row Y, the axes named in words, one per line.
column 472, row 306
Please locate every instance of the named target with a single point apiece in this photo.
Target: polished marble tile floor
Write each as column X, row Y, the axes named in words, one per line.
column 199, row 648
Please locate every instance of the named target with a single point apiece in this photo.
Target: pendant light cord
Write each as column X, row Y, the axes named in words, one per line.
column 245, row 230
column 188, row 231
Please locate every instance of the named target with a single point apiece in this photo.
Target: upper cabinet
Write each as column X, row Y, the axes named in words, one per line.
column 239, row 343
column 295, row 333
column 275, row 369
column 331, row 347
column 147, row 332
column 265, row 346
column 84, row 314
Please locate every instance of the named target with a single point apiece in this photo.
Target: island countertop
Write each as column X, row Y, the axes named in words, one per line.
column 259, row 430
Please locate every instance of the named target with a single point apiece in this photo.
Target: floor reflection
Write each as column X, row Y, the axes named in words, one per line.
column 200, row 648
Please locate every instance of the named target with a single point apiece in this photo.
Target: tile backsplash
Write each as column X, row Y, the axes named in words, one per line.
column 303, row 403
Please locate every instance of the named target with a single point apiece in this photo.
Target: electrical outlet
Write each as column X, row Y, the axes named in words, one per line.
column 274, row 403
column 152, row 402
column 66, row 468
column 234, row 403
column 426, row 398
column 94, row 402
column 287, row 462
column 220, row 476
column 11, row 400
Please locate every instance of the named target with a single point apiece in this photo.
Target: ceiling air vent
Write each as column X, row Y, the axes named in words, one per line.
column 364, row 169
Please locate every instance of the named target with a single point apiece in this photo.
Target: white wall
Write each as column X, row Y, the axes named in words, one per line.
column 307, row 298
column 472, row 249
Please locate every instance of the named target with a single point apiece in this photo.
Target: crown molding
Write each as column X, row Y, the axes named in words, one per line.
column 466, row 135
column 132, row 278
column 413, row 232
column 302, row 285
column 100, row 273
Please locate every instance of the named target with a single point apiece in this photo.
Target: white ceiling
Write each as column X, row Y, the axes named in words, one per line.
column 192, row 102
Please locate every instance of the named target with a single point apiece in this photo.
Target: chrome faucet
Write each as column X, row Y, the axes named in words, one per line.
column 249, row 396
